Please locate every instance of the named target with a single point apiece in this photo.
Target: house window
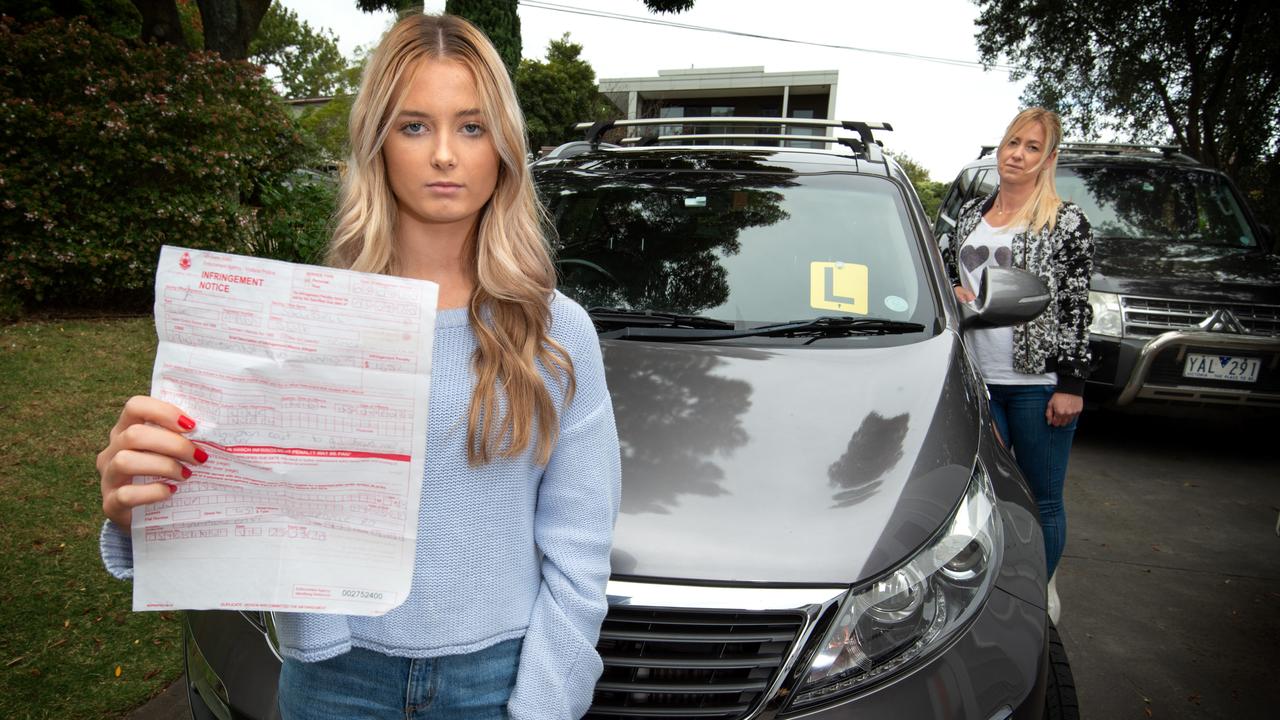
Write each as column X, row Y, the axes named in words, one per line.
column 804, row 130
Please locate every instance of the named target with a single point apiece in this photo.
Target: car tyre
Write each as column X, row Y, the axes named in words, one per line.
column 1060, row 701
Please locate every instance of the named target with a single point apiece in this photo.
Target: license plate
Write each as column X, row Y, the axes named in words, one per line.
column 1221, row 367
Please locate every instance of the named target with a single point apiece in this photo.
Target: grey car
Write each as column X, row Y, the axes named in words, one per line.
column 818, row 519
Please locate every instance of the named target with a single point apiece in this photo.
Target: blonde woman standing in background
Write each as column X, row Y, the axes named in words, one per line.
column 1035, row 372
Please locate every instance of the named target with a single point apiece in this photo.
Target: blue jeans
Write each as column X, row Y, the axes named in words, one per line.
column 366, row 684
column 1041, row 451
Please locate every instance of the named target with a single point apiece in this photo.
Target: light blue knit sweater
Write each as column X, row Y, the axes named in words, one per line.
column 505, row 550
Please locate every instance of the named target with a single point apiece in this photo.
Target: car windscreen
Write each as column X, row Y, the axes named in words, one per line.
column 1174, row 205
column 746, row 248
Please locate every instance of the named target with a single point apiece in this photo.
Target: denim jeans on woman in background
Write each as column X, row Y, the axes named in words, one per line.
column 366, row 684
column 1041, row 451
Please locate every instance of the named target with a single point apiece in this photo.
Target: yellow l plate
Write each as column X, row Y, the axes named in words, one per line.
column 838, row 286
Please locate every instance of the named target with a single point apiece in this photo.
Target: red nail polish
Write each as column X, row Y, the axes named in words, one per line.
column 200, row 455
column 186, row 423
column 186, row 472
column 172, row 488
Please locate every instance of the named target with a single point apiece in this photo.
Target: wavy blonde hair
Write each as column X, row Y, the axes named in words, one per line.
column 507, row 253
column 1041, row 209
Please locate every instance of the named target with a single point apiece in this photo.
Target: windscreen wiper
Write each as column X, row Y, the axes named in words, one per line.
column 644, row 319
column 813, row 328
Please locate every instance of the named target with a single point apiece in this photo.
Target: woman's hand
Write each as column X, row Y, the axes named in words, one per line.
column 146, row 440
column 1063, row 408
column 964, row 295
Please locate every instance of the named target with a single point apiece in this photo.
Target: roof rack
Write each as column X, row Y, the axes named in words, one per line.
column 1105, row 148
column 865, row 143
column 1117, row 148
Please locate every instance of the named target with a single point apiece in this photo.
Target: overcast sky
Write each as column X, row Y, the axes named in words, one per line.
column 941, row 113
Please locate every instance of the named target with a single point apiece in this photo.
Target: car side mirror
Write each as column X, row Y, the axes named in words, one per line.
column 1006, row 296
column 1270, row 238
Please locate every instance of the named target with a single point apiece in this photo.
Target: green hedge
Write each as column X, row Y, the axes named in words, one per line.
column 110, row 148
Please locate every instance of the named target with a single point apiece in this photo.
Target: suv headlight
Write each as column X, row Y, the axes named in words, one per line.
column 888, row 625
column 1108, row 320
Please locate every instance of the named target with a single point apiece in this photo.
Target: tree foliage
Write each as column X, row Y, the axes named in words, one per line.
column 395, row 6
column 223, row 26
column 110, row 148
column 499, row 20
column 327, row 124
column 930, row 192
column 1205, row 75
column 117, row 17
column 668, row 6
column 558, row 93
column 308, row 59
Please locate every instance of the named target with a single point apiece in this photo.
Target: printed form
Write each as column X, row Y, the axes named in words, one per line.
column 309, row 390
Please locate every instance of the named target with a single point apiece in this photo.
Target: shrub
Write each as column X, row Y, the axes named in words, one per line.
column 110, row 149
column 295, row 221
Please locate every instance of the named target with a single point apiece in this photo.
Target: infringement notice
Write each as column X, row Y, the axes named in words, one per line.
column 309, row 390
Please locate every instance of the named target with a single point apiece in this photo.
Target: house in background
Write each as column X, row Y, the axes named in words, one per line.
column 730, row 91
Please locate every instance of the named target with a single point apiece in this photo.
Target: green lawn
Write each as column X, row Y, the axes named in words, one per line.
column 70, row 645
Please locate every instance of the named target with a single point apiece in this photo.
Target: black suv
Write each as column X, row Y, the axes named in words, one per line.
column 817, row 518
column 1186, row 283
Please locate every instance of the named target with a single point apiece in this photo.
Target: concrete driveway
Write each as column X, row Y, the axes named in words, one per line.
column 1170, row 583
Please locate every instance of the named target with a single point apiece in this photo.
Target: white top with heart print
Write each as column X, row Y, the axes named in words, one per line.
column 992, row 348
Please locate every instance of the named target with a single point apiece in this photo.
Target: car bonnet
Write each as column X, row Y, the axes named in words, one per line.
column 786, row 465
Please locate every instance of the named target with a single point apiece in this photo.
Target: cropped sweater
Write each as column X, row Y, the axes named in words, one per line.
column 506, row 550
column 1057, row 340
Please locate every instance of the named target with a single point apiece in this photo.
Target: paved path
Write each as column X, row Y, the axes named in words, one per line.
column 168, row 705
column 1171, row 579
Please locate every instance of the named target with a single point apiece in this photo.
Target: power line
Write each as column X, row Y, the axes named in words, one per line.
column 589, row 12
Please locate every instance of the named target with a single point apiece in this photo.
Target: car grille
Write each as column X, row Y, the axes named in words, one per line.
column 1149, row 317
column 689, row 664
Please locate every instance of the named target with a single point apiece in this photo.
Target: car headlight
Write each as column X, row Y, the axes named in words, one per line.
column 903, row 616
column 1108, row 320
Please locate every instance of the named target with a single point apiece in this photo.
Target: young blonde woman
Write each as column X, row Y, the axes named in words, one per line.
column 521, row 487
column 1035, row 373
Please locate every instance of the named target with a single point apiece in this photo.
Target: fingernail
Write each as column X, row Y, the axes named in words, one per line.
column 186, row 423
column 186, row 472
column 200, row 455
column 172, row 488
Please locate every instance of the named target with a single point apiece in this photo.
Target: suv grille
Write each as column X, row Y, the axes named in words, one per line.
column 689, row 664
column 1149, row 317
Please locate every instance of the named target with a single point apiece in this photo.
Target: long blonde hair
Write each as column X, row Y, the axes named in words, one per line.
column 1041, row 209
column 508, row 253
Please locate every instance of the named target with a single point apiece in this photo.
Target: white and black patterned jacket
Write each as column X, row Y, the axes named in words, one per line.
column 1058, row 340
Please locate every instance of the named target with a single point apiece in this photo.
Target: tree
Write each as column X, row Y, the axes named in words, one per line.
column 229, row 25
column 1206, row 75
column 308, row 59
column 558, row 93
column 116, row 17
column 327, row 124
column 668, row 6
column 499, row 20
column 395, row 6
column 113, row 148
column 930, row 192
column 161, row 22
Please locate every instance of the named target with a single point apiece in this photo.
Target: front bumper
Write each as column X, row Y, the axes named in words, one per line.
column 995, row 670
column 1150, row 370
